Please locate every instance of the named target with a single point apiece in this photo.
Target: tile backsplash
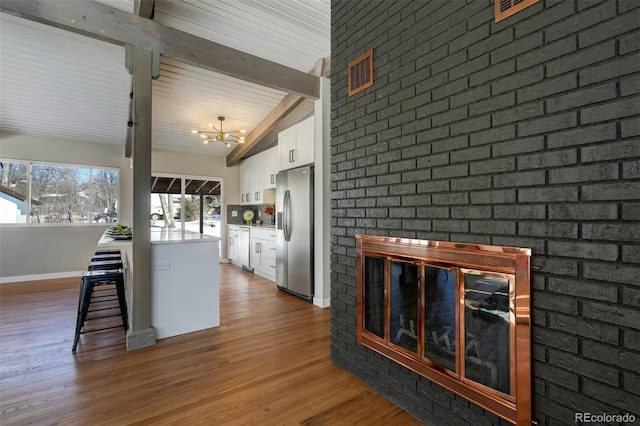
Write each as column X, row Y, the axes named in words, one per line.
column 258, row 213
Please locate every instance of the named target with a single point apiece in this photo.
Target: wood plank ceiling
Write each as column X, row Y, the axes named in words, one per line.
column 55, row 83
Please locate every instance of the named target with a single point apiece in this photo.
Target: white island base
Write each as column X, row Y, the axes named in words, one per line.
column 185, row 280
column 185, row 291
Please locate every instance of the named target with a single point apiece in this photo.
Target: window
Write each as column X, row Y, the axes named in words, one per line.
column 39, row 193
column 191, row 202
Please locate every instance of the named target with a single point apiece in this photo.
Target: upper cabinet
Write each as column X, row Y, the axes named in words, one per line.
column 247, row 182
column 295, row 145
column 258, row 173
column 270, row 170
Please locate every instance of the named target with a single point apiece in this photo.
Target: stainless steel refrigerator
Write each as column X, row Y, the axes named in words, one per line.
column 294, row 236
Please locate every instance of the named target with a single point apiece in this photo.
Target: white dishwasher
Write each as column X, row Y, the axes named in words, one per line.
column 243, row 248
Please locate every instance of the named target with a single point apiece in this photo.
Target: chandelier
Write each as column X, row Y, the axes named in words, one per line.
column 218, row 135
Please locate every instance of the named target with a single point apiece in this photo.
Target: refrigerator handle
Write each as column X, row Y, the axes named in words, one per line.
column 287, row 215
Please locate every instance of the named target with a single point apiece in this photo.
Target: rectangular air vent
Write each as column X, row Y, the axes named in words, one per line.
column 505, row 8
column 361, row 73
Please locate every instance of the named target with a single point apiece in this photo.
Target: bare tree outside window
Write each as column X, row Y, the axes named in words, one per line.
column 63, row 194
column 105, row 195
column 57, row 193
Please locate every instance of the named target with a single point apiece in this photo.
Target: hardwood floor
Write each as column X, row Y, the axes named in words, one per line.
column 267, row 364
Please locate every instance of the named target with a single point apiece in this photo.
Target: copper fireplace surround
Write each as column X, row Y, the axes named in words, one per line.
column 455, row 313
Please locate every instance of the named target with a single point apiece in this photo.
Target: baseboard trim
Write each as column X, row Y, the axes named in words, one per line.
column 141, row 338
column 322, row 303
column 38, row 277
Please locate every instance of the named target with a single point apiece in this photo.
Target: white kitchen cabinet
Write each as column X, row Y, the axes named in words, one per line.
column 270, row 167
column 251, row 181
column 258, row 180
column 271, row 257
column 263, row 242
column 232, row 245
column 295, row 145
column 258, row 173
column 246, row 181
column 258, row 251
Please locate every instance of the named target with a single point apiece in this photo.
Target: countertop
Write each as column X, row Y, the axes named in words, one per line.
column 108, row 241
column 265, row 226
column 161, row 236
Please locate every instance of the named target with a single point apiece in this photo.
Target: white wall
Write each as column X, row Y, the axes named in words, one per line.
column 32, row 252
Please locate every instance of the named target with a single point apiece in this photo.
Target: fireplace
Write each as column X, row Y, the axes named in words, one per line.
column 457, row 314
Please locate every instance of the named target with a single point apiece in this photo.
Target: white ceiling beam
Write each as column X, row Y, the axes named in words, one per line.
column 322, row 68
column 96, row 20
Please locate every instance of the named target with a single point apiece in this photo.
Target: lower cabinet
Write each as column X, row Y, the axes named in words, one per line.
column 232, row 245
column 253, row 247
column 263, row 252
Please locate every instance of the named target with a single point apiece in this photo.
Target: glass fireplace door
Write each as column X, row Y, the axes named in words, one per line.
column 487, row 326
column 404, row 305
column 440, row 334
column 374, row 271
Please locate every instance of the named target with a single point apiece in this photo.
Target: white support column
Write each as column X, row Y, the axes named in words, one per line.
column 322, row 186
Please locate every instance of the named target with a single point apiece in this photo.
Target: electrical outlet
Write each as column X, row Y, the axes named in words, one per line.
column 234, row 213
column 161, row 265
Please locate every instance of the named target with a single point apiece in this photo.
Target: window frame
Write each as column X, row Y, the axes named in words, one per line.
column 29, row 197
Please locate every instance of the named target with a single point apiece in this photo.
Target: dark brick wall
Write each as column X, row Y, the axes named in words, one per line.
column 521, row 133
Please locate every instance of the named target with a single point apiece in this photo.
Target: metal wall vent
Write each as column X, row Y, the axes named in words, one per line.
column 505, row 8
column 361, row 73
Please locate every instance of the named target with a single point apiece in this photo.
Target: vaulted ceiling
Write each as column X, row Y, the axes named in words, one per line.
column 55, row 83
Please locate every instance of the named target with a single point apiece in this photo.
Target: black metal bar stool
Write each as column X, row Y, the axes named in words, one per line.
column 107, row 251
column 89, row 282
column 101, row 257
column 102, row 265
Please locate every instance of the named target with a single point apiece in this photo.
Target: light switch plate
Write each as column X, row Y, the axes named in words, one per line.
column 161, row 265
column 234, row 213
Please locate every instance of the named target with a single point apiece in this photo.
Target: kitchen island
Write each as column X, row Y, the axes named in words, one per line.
column 185, row 280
